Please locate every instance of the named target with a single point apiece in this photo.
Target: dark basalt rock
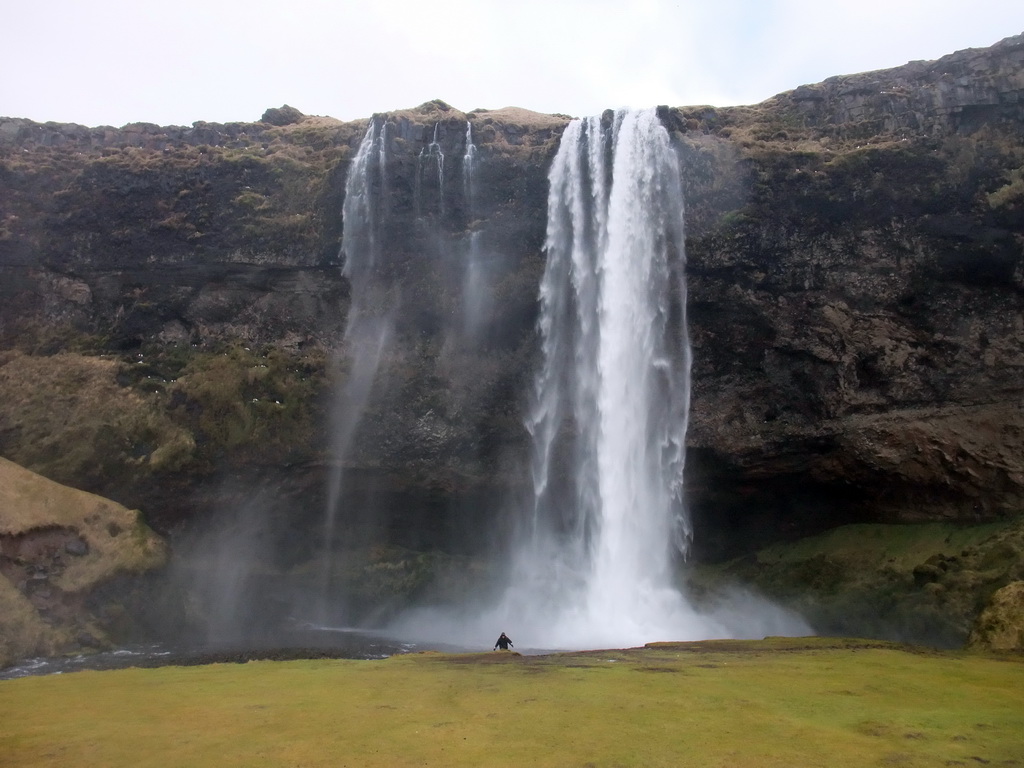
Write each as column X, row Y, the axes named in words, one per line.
column 855, row 301
column 285, row 115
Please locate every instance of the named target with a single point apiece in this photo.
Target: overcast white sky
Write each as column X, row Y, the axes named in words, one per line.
column 110, row 62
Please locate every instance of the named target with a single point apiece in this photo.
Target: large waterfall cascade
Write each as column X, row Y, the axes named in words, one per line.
column 607, row 524
column 609, row 402
column 611, row 397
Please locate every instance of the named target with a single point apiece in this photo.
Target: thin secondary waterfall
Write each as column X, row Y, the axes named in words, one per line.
column 368, row 328
column 469, row 172
column 475, row 291
column 431, row 155
column 434, row 150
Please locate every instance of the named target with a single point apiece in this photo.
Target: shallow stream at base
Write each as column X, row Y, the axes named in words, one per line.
column 301, row 642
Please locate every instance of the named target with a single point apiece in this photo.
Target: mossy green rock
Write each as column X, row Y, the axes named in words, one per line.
column 1000, row 627
column 923, row 582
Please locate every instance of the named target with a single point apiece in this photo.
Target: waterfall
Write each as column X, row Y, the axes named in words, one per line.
column 469, row 172
column 611, row 397
column 475, row 288
column 606, row 527
column 368, row 328
column 434, row 150
column 359, row 211
column 431, row 155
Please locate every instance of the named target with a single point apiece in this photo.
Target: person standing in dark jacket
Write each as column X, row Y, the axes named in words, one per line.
column 503, row 642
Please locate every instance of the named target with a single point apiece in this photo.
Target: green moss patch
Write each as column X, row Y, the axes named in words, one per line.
column 260, row 403
column 67, row 417
column 1001, row 625
column 99, row 422
column 917, row 582
column 897, row 546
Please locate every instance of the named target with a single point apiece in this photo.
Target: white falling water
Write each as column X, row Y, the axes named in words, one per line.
column 359, row 233
column 611, row 405
column 431, row 155
column 380, row 141
column 368, row 327
column 611, row 399
column 434, row 150
column 469, row 171
column 609, row 415
column 475, row 290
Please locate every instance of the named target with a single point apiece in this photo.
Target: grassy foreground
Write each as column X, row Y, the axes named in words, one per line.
column 779, row 702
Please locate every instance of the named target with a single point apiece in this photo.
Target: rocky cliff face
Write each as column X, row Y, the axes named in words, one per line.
column 959, row 93
column 856, row 289
column 203, row 266
column 856, row 267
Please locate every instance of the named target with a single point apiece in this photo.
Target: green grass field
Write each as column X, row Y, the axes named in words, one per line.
column 778, row 702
